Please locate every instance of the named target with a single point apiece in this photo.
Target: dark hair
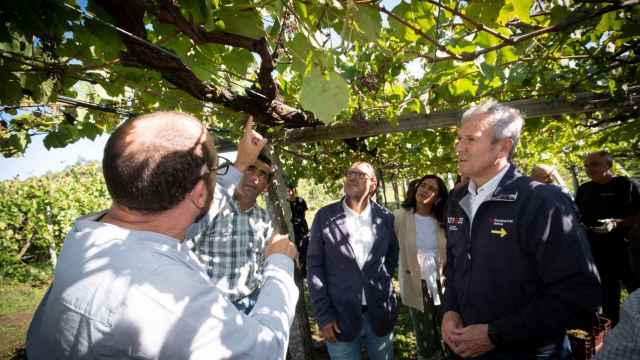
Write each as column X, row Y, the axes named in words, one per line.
column 154, row 176
column 604, row 154
column 409, row 202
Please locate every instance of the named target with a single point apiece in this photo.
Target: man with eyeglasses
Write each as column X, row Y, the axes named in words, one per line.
column 607, row 204
column 352, row 255
column 127, row 286
column 231, row 242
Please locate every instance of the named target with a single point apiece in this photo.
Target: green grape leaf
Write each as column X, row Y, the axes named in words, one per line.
column 367, row 22
column 299, row 49
column 486, row 11
column 462, row 86
column 14, row 144
column 606, row 22
column 198, row 11
column 326, row 96
column 402, row 10
column 559, row 14
column 486, row 40
column 246, row 22
column 522, row 8
column 238, row 60
column 61, row 137
column 516, row 9
column 42, row 88
column 10, row 91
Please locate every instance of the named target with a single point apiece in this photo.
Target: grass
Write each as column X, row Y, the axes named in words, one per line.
column 17, row 304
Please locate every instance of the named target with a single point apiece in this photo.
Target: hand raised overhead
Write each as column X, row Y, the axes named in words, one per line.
column 249, row 146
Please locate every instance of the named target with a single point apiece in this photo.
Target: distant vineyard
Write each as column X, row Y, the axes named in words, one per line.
column 35, row 215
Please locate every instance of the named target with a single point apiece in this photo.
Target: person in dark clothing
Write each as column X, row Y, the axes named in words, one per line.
column 519, row 270
column 607, row 204
column 300, row 227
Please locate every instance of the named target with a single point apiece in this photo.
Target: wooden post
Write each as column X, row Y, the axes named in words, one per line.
column 382, row 186
column 404, row 187
column 394, row 184
column 300, row 335
column 574, row 178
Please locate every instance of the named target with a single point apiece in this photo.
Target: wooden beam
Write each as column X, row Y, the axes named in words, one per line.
column 531, row 108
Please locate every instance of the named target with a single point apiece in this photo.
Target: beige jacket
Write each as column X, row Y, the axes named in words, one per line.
column 409, row 270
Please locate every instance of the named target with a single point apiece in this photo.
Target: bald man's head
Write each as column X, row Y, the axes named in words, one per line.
column 151, row 162
column 542, row 173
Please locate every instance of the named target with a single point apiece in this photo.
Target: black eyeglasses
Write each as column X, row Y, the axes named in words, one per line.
column 223, row 165
column 357, row 175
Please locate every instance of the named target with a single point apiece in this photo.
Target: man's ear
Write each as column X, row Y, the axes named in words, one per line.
column 198, row 195
column 505, row 147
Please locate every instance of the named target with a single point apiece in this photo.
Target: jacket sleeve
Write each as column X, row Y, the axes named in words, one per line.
column 567, row 280
column 393, row 252
column 316, row 276
column 450, row 302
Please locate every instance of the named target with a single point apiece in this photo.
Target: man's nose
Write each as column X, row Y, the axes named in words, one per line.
column 457, row 146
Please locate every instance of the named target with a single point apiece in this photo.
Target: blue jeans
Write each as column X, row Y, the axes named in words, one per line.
column 378, row 347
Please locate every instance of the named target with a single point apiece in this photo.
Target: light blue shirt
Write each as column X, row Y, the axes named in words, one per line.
column 119, row 293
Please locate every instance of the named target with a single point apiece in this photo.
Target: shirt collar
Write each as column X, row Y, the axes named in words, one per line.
column 236, row 206
column 490, row 186
column 366, row 213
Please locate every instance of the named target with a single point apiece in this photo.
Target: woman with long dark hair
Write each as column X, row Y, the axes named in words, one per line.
column 419, row 228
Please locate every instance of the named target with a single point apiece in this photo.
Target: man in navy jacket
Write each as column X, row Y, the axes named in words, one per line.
column 519, row 270
column 352, row 255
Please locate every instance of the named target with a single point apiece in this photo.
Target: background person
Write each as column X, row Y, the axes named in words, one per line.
column 548, row 174
column 300, row 227
column 353, row 253
column 230, row 242
column 607, row 204
column 420, row 232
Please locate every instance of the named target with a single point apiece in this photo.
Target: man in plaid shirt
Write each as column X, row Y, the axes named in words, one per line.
column 231, row 244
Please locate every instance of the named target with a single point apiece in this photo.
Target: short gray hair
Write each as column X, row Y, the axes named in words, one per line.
column 506, row 121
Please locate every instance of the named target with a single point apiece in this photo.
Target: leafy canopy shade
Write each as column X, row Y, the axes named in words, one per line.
column 295, row 64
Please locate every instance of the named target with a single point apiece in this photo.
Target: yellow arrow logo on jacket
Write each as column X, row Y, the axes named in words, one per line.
column 502, row 232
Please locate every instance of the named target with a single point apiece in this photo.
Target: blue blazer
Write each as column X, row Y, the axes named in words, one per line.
column 336, row 281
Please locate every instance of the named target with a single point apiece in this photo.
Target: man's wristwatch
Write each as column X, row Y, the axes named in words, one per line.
column 494, row 337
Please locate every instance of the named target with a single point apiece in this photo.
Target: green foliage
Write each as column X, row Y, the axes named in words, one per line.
column 340, row 61
column 36, row 214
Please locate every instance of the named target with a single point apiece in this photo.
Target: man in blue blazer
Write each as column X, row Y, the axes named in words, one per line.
column 353, row 252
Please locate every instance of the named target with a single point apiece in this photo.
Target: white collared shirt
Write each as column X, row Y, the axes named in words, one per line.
column 360, row 228
column 478, row 195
